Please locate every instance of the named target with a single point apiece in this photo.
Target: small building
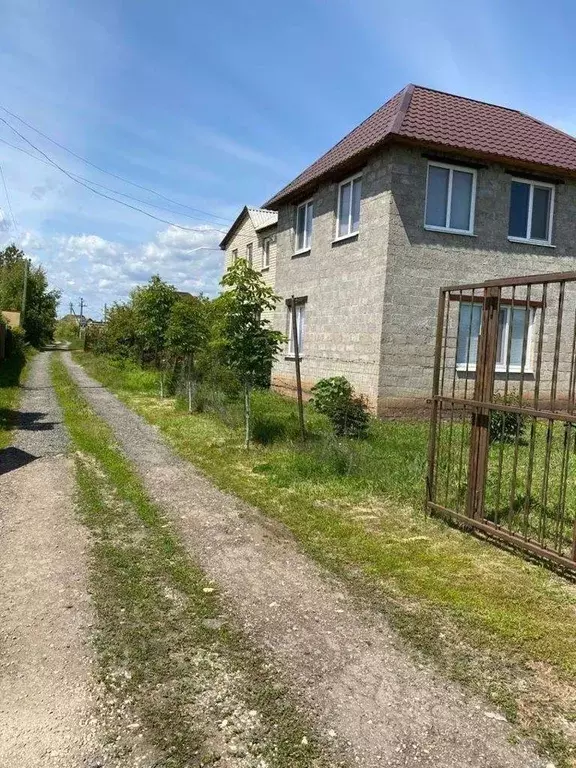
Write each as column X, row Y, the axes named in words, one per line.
column 252, row 236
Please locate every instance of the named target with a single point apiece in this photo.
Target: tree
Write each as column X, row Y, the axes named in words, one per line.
column 39, row 319
column 187, row 327
column 152, row 305
column 250, row 344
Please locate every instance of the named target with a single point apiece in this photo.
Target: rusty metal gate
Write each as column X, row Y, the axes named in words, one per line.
column 502, row 450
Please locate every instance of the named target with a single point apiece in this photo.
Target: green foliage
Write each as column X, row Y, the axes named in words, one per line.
column 152, row 305
column 187, row 329
column 39, row 320
column 506, row 427
column 118, row 336
column 348, row 413
column 66, row 329
column 249, row 343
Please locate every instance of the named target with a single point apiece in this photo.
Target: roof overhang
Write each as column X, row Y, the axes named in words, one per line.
column 234, row 228
column 352, row 164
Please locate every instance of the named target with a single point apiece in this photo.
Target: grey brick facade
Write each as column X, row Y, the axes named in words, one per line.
column 371, row 300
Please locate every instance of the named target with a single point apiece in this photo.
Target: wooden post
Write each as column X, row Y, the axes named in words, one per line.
column 483, row 390
column 296, row 346
column 430, row 479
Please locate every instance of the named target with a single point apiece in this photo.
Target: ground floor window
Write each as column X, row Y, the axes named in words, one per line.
column 514, row 325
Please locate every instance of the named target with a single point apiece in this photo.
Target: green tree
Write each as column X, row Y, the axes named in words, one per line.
column 152, row 305
column 39, row 319
column 249, row 341
column 187, row 329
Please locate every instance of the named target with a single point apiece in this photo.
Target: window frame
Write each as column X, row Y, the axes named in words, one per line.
column 266, row 243
column 471, row 221
column 300, row 326
column 501, row 367
column 234, row 255
column 532, row 184
column 250, row 254
column 350, row 180
column 307, row 205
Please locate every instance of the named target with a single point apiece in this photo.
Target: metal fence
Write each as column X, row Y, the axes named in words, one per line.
column 502, row 450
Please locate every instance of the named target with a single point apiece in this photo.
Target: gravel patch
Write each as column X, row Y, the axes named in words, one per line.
column 366, row 693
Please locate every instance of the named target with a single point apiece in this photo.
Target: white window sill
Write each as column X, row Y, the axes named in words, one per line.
column 302, row 252
column 349, row 236
column 499, row 369
column 292, row 356
column 265, row 269
column 448, row 231
column 525, row 241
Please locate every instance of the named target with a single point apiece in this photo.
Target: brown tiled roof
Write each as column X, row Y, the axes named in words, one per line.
column 443, row 120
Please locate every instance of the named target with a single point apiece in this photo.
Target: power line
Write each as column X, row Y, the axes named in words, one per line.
column 103, row 186
column 8, row 201
column 101, row 194
column 110, row 173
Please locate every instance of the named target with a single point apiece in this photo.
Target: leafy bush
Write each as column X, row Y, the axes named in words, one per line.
column 347, row 412
column 15, row 342
column 504, row 426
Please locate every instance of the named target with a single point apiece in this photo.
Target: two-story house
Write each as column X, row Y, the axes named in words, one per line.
column 252, row 236
column 432, row 189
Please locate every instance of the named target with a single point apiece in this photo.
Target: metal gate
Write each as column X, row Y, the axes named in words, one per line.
column 502, row 449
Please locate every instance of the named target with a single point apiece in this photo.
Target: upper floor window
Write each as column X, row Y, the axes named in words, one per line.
column 234, row 255
column 450, row 198
column 349, row 195
column 531, row 210
column 266, row 253
column 249, row 253
column 304, row 216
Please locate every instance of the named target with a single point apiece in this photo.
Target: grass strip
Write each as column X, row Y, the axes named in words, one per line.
column 489, row 618
column 169, row 659
column 12, row 371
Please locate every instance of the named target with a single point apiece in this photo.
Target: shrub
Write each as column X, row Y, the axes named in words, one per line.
column 504, row 426
column 347, row 412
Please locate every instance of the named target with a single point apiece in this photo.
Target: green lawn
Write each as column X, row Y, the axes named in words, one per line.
column 11, row 371
column 488, row 617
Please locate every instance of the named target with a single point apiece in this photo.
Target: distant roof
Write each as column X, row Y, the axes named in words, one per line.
column 261, row 218
column 445, row 121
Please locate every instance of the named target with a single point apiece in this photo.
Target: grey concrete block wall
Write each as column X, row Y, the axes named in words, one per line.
column 372, row 300
column 344, row 283
column 420, row 262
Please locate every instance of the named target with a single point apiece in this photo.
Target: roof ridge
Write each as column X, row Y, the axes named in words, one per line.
column 548, row 125
column 408, row 92
column 343, row 139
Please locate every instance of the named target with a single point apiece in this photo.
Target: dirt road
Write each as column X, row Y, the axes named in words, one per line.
column 365, row 691
column 46, row 694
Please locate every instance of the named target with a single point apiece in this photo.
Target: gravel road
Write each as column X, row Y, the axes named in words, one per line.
column 46, row 698
column 365, row 692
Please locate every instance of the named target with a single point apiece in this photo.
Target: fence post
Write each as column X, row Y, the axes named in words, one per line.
column 435, row 392
column 483, row 390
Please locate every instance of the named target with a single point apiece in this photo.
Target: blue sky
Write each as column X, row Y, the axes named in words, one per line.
column 218, row 104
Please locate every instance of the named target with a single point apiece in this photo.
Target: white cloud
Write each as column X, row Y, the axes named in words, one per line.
column 103, row 271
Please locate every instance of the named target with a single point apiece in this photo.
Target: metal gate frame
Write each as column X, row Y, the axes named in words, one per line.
column 480, row 406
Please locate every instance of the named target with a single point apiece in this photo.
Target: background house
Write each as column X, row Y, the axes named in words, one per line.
column 432, row 189
column 252, row 236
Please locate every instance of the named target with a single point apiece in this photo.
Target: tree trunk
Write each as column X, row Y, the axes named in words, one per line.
column 246, row 416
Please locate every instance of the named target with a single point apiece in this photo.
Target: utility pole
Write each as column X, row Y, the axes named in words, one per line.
column 24, row 290
column 81, row 317
column 105, row 313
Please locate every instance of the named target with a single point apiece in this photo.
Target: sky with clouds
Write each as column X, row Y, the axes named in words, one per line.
column 208, row 106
